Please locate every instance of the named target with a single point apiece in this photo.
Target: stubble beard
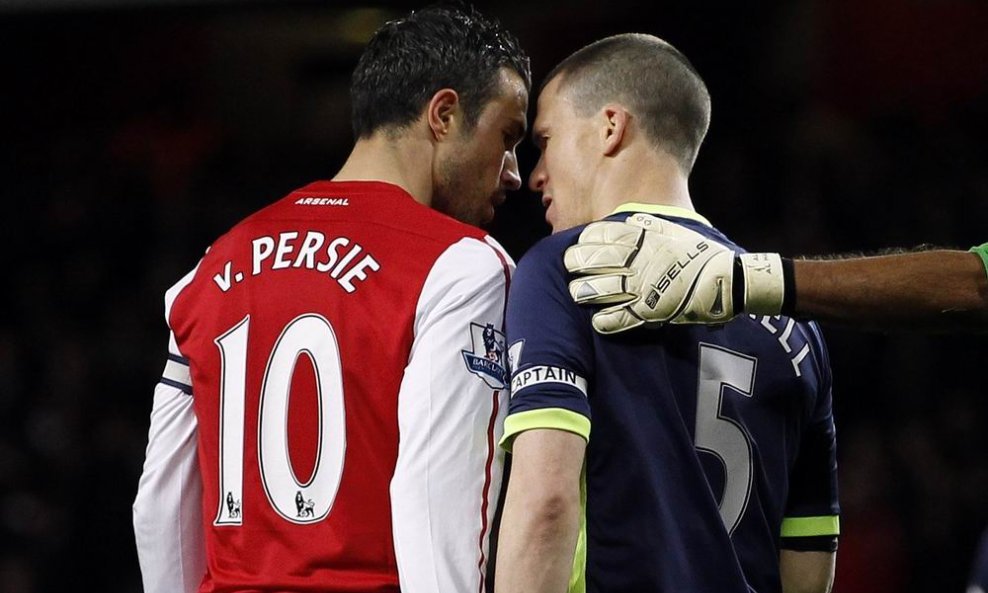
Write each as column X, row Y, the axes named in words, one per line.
column 454, row 195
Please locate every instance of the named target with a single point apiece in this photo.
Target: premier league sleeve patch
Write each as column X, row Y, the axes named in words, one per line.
column 487, row 358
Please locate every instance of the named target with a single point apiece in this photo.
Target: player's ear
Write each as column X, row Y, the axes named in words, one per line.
column 615, row 126
column 441, row 112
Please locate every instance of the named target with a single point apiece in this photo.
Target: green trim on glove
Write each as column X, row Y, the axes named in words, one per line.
column 982, row 251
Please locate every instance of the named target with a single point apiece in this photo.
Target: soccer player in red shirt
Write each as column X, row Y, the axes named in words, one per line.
column 329, row 414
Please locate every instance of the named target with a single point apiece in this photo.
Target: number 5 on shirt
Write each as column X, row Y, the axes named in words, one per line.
column 718, row 434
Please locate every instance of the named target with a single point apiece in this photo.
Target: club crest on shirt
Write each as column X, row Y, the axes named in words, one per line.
column 487, row 358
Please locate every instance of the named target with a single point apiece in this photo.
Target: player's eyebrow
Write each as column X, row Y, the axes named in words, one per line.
column 538, row 132
column 517, row 129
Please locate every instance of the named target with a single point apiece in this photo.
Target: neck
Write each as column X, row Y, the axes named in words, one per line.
column 646, row 177
column 405, row 162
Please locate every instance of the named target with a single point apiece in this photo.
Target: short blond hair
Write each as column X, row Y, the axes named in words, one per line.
column 652, row 79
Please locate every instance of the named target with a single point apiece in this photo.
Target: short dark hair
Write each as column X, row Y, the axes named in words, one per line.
column 449, row 45
column 652, row 78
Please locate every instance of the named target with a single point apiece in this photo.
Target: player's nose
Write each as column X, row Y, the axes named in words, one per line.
column 510, row 176
column 536, row 181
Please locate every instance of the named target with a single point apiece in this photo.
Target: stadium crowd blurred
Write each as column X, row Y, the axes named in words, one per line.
column 134, row 136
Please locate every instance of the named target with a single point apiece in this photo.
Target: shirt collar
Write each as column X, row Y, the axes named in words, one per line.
column 662, row 210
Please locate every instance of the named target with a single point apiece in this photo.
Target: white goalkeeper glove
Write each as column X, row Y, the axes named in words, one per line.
column 652, row 271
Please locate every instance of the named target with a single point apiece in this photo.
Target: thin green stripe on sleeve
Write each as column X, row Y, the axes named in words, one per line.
column 982, row 251
column 810, row 526
column 557, row 418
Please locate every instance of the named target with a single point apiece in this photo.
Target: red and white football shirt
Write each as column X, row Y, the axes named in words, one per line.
column 328, row 416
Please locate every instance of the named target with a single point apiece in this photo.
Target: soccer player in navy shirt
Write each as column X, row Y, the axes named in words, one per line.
column 711, row 466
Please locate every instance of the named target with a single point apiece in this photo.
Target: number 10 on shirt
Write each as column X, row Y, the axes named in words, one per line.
column 310, row 335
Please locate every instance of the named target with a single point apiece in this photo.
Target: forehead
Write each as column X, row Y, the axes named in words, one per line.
column 550, row 103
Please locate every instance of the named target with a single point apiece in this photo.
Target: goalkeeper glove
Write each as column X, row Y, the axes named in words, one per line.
column 652, row 271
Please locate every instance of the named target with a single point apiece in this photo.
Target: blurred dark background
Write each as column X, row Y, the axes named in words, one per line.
column 133, row 133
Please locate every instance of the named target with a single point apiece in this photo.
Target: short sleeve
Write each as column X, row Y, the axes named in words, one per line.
column 812, row 509
column 550, row 347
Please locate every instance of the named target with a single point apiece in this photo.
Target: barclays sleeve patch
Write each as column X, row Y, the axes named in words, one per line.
column 487, row 358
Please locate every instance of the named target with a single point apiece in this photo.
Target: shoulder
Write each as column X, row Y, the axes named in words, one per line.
column 172, row 294
column 813, row 359
column 473, row 258
column 545, row 258
column 431, row 226
column 470, row 274
column 539, row 294
column 368, row 204
column 815, row 338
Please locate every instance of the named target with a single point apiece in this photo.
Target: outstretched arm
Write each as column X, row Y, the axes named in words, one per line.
column 935, row 290
column 652, row 271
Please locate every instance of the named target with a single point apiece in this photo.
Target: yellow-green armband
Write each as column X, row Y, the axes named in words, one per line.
column 982, row 251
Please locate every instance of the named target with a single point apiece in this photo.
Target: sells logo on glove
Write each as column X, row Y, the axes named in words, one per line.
column 671, row 273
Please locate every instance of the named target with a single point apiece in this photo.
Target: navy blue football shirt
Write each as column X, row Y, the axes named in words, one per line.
column 709, row 448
